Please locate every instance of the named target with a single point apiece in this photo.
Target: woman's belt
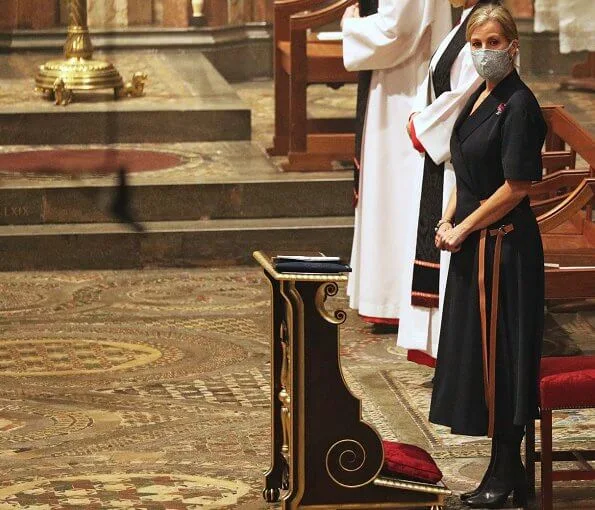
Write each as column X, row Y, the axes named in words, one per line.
column 489, row 343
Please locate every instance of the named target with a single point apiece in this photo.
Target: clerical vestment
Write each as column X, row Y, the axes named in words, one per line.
column 396, row 44
column 574, row 20
column 419, row 326
column 366, row 8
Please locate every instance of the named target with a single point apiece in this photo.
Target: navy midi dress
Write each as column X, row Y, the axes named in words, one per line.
column 502, row 139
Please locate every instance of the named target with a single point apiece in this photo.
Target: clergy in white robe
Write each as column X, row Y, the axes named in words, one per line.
column 396, row 43
column 419, row 327
column 574, row 20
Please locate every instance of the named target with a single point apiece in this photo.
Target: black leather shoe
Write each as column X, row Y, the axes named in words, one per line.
column 495, row 494
column 466, row 495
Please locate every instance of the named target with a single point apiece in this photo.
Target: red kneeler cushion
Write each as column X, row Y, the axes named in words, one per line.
column 411, row 462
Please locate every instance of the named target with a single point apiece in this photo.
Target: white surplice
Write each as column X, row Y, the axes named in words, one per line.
column 419, row 327
column 574, row 20
column 396, row 43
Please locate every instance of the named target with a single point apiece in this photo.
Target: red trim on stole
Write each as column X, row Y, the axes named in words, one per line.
column 421, row 358
column 417, row 145
column 425, row 300
column 379, row 320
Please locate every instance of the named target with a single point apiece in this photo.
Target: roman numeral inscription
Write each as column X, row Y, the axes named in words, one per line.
column 11, row 211
column 27, row 212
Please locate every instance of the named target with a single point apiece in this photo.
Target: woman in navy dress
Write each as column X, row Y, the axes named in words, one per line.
column 492, row 325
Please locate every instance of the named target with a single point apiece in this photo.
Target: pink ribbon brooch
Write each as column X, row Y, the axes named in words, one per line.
column 500, row 108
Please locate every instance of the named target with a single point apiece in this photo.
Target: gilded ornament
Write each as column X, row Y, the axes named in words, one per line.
column 58, row 79
column 346, row 464
column 325, row 291
column 62, row 95
column 135, row 87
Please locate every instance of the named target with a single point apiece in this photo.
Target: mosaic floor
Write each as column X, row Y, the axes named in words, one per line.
column 149, row 390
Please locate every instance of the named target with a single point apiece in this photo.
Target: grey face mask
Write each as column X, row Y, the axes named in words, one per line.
column 492, row 65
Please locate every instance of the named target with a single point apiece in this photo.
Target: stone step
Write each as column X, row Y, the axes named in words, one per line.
column 273, row 198
column 167, row 244
column 180, row 104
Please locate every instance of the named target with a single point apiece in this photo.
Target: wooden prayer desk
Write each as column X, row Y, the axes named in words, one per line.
column 323, row 454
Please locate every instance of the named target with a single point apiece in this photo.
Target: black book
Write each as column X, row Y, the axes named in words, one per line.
column 301, row 266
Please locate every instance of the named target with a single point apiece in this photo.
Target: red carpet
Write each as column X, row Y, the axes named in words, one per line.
column 91, row 161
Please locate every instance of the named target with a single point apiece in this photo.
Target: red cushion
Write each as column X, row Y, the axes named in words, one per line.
column 567, row 382
column 409, row 461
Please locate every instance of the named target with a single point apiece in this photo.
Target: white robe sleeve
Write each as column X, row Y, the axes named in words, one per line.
column 421, row 98
column 387, row 38
column 434, row 124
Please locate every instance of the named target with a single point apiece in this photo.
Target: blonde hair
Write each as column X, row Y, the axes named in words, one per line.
column 493, row 12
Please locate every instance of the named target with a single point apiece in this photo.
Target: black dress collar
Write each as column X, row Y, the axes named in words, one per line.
column 469, row 122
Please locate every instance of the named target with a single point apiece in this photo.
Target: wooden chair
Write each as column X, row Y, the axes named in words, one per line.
column 563, row 201
column 565, row 383
column 300, row 60
column 567, row 232
column 564, row 198
column 565, row 139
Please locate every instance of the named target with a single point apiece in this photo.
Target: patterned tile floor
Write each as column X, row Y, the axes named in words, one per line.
column 149, row 390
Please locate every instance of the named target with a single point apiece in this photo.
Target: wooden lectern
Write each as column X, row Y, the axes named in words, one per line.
column 323, row 454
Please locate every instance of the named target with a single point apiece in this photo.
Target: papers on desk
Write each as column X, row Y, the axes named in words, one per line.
column 329, row 36
column 303, row 258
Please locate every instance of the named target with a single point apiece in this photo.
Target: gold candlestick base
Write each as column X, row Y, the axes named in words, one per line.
column 78, row 70
column 79, row 73
column 57, row 79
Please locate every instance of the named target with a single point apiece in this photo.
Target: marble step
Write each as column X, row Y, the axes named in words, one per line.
column 181, row 103
column 271, row 198
column 167, row 244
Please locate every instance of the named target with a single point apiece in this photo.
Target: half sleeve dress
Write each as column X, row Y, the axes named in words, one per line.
column 490, row 342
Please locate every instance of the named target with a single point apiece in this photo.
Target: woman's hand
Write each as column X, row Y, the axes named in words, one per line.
column 440, row 233
column 452, row 238
column 351, row 12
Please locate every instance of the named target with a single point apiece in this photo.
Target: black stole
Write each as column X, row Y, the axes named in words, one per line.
column 367, row 7
column 426, row 269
